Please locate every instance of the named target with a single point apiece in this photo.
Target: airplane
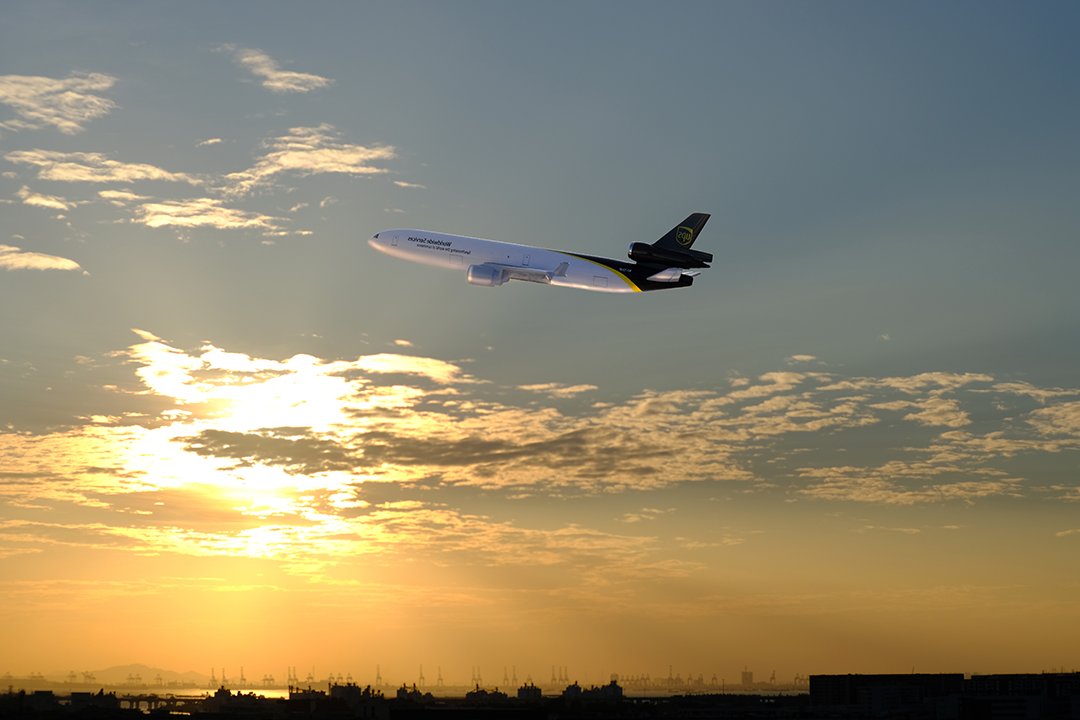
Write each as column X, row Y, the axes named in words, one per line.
column 667, row 263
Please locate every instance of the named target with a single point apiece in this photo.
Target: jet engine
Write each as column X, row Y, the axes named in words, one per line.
column 645, row 253
column 486, row 275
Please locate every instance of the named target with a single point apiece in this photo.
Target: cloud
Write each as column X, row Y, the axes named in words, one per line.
column 41, row 200
column 92, row 168
column 1036, row 393
column 309, row 151
column 645, row 515
column 296, row 453
column 201, row 212
column 939, row 411
column 277, row 431
column 914, row 384
column 409, row 185
column 1061, row 419
column 1068, row 493
column 273, row 77
column 558, row 390
column 901, row 530
column 1067, row 533
column 860, row 488
column 13, row 258
column 64, row 103
column 120, row 198
column 403, row 343
column 801, row 359
column 438, row 370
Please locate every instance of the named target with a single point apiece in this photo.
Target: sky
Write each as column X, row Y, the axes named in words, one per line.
column 232, row 434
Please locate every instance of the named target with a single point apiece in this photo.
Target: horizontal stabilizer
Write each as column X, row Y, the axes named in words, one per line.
column 671, row 274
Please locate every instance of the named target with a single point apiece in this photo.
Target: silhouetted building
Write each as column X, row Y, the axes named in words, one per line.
column 883, row 694
column 480, row 696
column 609, row 694
column 530, row 693
column 40, row 701
column 1049, row 696
column 100, row 700
column 362, row 702
column 1046, row 695
column 223, row 702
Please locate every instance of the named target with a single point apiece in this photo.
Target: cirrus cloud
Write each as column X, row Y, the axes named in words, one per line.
column 13, row 258
column 92, row 167
column 309, row 151
column 201, row 212
column 66, row 104
column 273, row 77
column 51, row 202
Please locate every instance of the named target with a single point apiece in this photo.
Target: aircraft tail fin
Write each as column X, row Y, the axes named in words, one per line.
column 682, row 236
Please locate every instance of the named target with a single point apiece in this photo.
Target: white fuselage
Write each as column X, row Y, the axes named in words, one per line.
column 521, row 262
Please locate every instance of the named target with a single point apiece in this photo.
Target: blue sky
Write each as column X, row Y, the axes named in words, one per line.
column 886, row 346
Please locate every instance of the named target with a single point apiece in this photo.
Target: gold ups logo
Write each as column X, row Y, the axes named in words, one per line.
column 684, row 235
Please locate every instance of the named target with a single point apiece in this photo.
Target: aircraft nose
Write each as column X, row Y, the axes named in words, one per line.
column 374, row 241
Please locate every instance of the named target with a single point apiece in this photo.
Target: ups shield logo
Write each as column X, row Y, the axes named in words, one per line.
column 684, row 235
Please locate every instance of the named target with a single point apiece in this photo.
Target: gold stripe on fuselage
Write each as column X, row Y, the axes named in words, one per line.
column 628, row 281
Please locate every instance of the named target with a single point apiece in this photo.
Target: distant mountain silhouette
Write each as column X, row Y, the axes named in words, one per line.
column 121, row 673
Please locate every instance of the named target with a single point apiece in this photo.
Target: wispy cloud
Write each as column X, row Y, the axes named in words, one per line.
column 1033, row 391
column 52, row 202
column 439, row 371
column 92, row 168
column 558, row 390
column 120, row 198
column 645, row 515
column 201, row 212
column 309, row 151
column 309, row 442
column 64, row 103
column 409, row 185
column 914, row 384
column 273, row 77
column 862, row 486
column 794, row 359
column 1063, row 419
column 209, row 141
column 314, row 462
column 13, row 258
column 939, row 411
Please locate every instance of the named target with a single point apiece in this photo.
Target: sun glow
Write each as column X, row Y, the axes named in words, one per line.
column 255, row 444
